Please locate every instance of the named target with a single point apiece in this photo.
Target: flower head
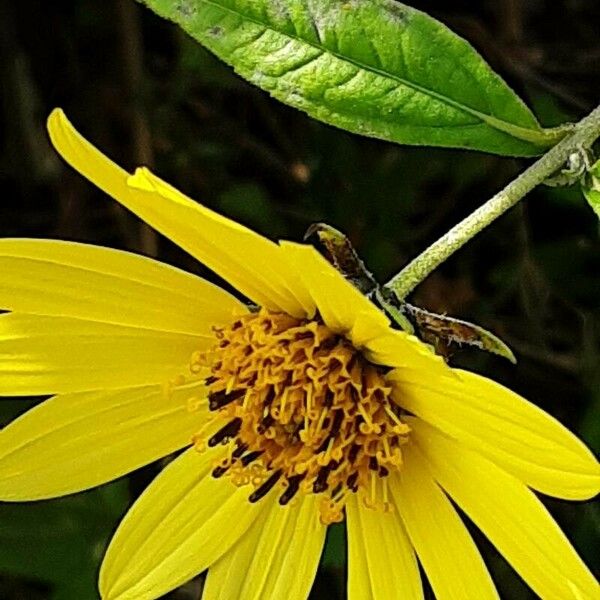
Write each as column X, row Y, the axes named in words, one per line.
column 298, row 409
column 301, row 404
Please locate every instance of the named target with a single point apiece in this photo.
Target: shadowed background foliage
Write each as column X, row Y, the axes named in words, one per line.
column 146, row 94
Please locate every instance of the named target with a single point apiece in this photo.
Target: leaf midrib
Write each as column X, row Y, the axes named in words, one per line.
column 536, row 136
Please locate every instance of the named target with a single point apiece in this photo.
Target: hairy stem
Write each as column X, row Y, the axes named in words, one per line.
column 583, row 134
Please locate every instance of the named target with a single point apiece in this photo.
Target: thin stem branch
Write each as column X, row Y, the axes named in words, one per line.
column 583, row 134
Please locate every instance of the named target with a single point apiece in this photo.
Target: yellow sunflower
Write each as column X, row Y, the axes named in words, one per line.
column 298, row 410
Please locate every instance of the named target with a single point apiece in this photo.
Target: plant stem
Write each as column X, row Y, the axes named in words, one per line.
column 583, row 134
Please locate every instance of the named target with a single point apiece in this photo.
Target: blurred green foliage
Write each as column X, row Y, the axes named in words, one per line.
column 145, row 93
column 591, row 187
column 59, row 543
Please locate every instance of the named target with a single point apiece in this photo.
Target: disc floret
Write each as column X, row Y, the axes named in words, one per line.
column 302, row 409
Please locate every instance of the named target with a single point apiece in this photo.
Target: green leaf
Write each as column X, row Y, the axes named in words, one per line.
column 374, row 67
column 61, row 542
column 590, row 186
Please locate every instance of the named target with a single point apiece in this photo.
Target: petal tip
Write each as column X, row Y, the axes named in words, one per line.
column 56, row 116
column 56, row 123
column 141, row 180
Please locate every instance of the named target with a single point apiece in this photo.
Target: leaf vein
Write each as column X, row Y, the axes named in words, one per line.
column 305, row 62
column 360, row 65
column 533, row 134
column 253, row 40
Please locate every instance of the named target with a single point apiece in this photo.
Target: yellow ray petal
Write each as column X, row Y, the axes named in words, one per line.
column 395, row 348
column 338, row 301
column 48, row 277
column 277, row 558
column 449, row 556
column 178, row 527
column 74, row 442
column 518, row 436
column 346, row 310
column 381, row 560
column 54, row 355
column 510, row 515
column 251, row 263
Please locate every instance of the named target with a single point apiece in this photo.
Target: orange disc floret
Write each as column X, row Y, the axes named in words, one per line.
column 303, row 409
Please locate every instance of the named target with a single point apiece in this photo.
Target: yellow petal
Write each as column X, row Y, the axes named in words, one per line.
column 395, row 348
column 250, row 262
column 347, row 311
column 381, row 560
column 55, row 355
column 510, row 515
column 178, row 527
column 48, row 277
column 74, row 442
column 339, row 303
column 449, row 556
column 515, row 434
column 277, row 558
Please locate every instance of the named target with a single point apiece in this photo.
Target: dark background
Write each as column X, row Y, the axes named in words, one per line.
column 145, row 93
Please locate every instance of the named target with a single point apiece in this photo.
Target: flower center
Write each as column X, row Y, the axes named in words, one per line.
column 303, row 409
